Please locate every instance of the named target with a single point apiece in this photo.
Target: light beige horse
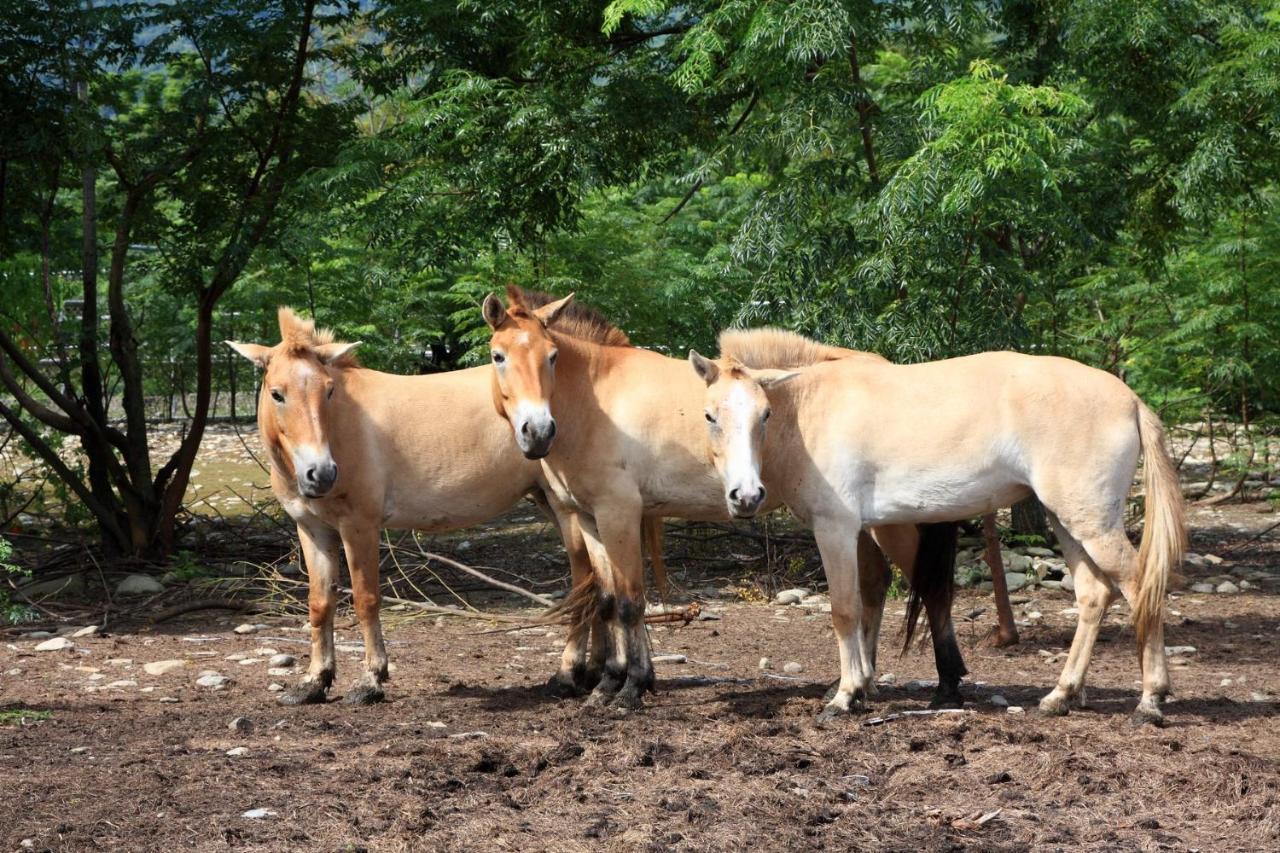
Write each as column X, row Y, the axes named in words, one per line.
column 354, row 451
column 858, row 442
column 621, row 435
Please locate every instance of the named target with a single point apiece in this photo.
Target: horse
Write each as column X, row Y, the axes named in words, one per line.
column 354, row 451
column 859, row 442
column 619, row 434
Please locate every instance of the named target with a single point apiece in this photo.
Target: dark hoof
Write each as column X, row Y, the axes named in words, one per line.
column 1146, row 716
column 364, row 694
column 946, row 700
column 587, row 678
column 831, row 713
column 305, row 693
column 562, row 686
column 627, row 700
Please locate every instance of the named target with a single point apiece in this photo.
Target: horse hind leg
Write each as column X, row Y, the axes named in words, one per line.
column 320, row 554
column 362, row 559
column 573, row 678
column 1094, row 592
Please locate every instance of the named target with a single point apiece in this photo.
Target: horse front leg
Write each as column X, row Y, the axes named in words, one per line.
column 320, row 555
column 838, row 545
column 574, row 675
column 361, row 543
column 618, row 534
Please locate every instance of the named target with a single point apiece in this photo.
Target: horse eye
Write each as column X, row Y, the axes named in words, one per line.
column 498, row 358
column 767, row 413
column 330, row 394
column 710, row 418
column 277, row 396
column 552, row 358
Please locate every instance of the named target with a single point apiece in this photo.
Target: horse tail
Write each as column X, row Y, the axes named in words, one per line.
column 1164, row 534
column 933, row 578
column 651, row 530
column 580, row 605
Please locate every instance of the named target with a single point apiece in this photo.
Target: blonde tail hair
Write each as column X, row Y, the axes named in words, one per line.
column 1164, row 534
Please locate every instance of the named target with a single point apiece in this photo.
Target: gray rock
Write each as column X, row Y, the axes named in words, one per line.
column 920, row 684
column 1069, row 582
column 1202, row 588
column 1015, row 562
column 670, row 659
column 790, row 596
column 1213, row 559
column 139, row 585
column 986, row 586
column 87, row 631
column 39, row 635
column 236, row 752
column 765, row 663
column 1227, row 587
column 280, row 670
column 281, row 660
column 160, row 667
column 1015, row 582
column 56, row 644
column 258, row 814
column 213, row 681
column 122, row 684
column 1015, row 709
column 275, row 687
column 1179, row 650
column 1033, row 551
column 999, row 701
column 793, row 668
column 243, row 725
column 246, row 628
column 1258, row 696
column 71, row 586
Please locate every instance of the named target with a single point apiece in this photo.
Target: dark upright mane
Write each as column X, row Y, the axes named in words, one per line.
column 577, row 319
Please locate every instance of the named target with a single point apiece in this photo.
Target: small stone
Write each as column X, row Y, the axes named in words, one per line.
column 708, row 616
column 168, row 700
column 1015, row 563
column 280, row 670
column 1245, row 585
column 790, row 596
column 793, row 668
column 887, row 679
column 38, row 635
column 246, row 628
column 265, row 651
column 1015, row 581
column 1226, row 682
column 670, row 659
column 1213, row 559
column 1033, row 551
column 243, row 725
column 1227, row 587
column 1069, row 582
column 258, row 814
column 79, row 750
column 139, row 585
column 87, row 631
column 122, row 684
column 238, row 751
column 160, row 667
column 1203, row 588
column 765, row 663
column 57, row 644
column 1179, row 650
column 999, row 701
column 236, row 656
column 1015, row 709
column 1257, row 696
column 249, row 661
column 275, row 687
column 920, row 684
column 213, row 681
column 282, row 660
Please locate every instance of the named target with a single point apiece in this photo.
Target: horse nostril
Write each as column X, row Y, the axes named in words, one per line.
column 524, row 429
column 310, row 474
column 552, row 433
column 760, row 495
column 733, row 494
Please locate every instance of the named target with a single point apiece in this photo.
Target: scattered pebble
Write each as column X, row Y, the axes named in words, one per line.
column 920, row 684
column 57, row 644
column 169, row 700
column 238, row 751
column 999, row 701
column 160, row 667
column 139, row 585
column 1179, row 650
column 249, row 661
column 275, row 687
column 213, row 680
column 1228, row 587
column 793, row 668
column 87, row 631
column 79, row 750
column 257, row 814
column 246, row 628
column 122, row 684
column 765, row 663
column 1015, row 709
column 243, row 725
column 1202, row 588
column 284, row 670
column 673, row 658
column 1257, row 696
column 281, row 661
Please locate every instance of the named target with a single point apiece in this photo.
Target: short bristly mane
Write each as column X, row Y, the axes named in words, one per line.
column 300, row 336
column 777, row 348
column 576, row 320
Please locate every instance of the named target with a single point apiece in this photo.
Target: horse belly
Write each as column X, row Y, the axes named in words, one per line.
column 939, row 495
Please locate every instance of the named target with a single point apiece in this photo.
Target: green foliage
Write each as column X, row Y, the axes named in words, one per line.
column 23, row 716
column 11, row 612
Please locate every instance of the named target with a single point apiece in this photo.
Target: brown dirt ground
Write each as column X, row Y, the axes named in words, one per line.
column 721, row 758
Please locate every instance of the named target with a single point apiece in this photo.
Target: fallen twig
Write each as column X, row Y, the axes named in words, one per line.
column 888, row 718
column 200, row 604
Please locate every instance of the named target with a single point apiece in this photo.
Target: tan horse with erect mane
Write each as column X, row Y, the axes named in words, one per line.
column 621, row 436
column 851, row 443
column 354, row 451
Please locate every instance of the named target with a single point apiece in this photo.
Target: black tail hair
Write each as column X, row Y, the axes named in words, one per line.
column 934, row 578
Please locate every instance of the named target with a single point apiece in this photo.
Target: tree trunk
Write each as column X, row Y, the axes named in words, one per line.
column 1029, row 519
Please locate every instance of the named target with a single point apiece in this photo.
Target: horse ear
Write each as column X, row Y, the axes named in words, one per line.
column 256, row 353
column 515, row 296
column 704, row 367
column 549, row 312
column 772, row 378
column 494, row 314
column 330, row 353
